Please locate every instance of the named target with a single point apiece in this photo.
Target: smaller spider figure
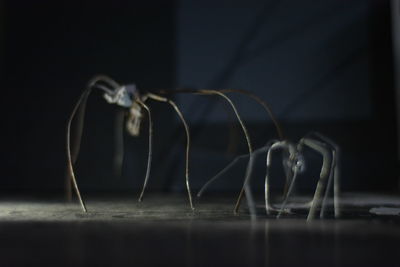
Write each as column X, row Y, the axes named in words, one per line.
column 294, row 164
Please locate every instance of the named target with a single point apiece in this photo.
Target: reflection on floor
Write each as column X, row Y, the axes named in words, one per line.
column 163, row 230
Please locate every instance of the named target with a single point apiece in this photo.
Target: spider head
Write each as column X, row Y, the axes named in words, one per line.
column 125, row 96
column 298, row 163
column 122, row 96
column 296, row 160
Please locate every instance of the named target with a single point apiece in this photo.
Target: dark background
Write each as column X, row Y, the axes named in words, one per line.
column 324, row 66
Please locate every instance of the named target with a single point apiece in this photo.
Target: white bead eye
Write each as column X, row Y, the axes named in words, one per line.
column 299, row 164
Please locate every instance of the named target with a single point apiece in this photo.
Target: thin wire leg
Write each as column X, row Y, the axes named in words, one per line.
column 82, row 104
column 247, row 93
column 266, row 185
column 149, row 156
column 316, row 199
column 229, row 166
column 264, row 105
column 325, row 170
column 71, row 173
column 288, row 172
column 187, row 151
column 273, row 146
column 336, row 171
column 289, row 192
column 163, row 99
column 215, row 92
column 249, row 195
column 328, row 188
column 76, row 145
column 218, row 175
column 104, row 79
column 247, row 178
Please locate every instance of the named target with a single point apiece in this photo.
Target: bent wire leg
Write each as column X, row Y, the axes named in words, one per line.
column 163, row 99
column 336, row 171
column 271, row 115
column 247, row 177
column 76, row 144
column 221, row 173
column 70, row 160
column 103, row 79
column 249, row 195
column 274, row 146
column 264, row 105
column 325, row 170
column 215, row 92
column 329, row 186
column 289, row 192
column 150, row 148
column 81, row 103
column 119, row 142
column 287, row 170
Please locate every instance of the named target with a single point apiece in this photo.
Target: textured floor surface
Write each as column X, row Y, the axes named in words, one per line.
column 164, row 231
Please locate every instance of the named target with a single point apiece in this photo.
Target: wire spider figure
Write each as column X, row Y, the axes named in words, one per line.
column 135, row 101
column 294, row 164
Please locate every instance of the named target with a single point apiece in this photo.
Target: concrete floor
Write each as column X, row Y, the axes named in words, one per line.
column 162, row 230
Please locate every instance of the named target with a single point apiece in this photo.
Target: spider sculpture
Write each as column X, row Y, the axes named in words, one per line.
column 294, row 164
column 135, row 101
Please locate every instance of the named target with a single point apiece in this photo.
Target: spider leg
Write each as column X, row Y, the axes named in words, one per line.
column 76, row 144
column 221, row 173
column 266, row 107
column 81, row 106
column 215, row 92
column 336, row 172
column 249, row 195
column 70, row 159
column 104, row 79
column 288, row 172
column 329, row 185
column 325, row 171
column 229, row 166
column 149, row 157
column 289, row 192
column 163, row 99
column 245, row 187
column 274, row 146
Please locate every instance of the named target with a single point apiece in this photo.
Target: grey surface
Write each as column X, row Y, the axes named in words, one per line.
column 100, row 208
column 163, row 231
column 175, row 207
